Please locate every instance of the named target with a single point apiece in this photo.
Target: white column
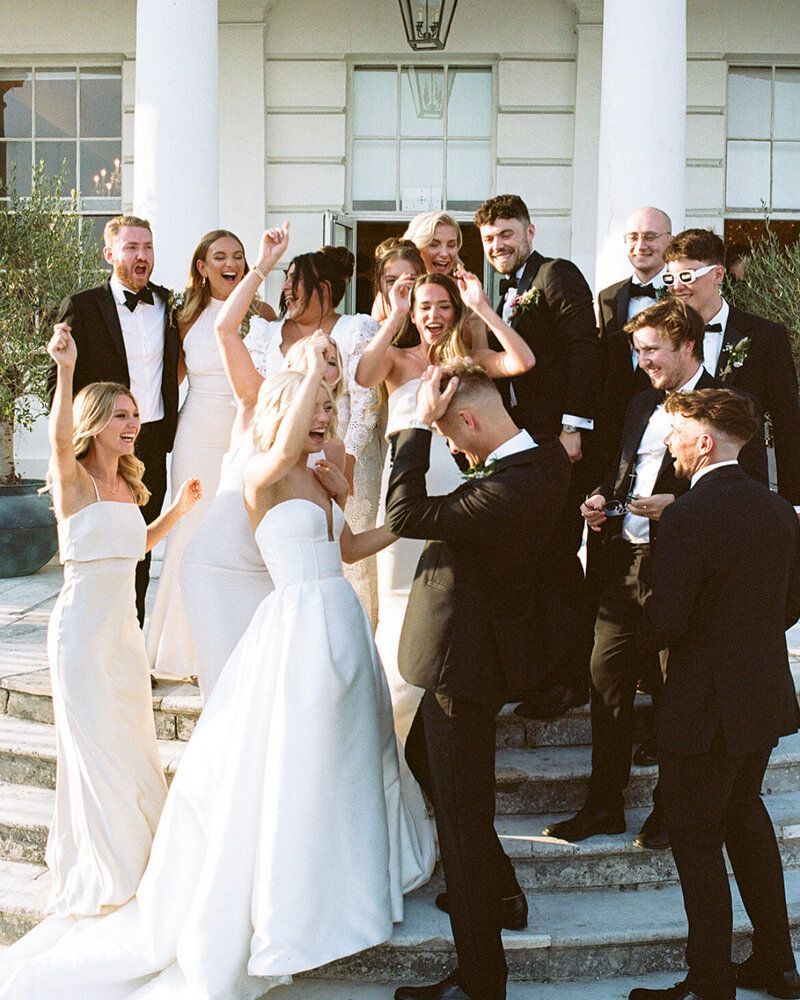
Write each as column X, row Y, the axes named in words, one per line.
column 642, row 154
column 176, row 172
column 589, row 27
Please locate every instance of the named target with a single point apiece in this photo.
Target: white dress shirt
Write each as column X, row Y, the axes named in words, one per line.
column 649, row 457
column 717, row 465
column 712, row 341
column 638, row 303
column 520, row 442
column 143, row 335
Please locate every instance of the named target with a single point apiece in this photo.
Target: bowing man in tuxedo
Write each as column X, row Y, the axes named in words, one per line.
column 668, row 337
column 123, row 333
column 744, row 351
column 556, row 398
column 471, row 623
column 647, row 234
column 728, row 693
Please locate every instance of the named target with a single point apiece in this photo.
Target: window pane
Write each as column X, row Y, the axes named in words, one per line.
column 54, row 154
column 469, row 107
column 422, row 101
column 469, row 174
column 15, row 157
column 749, row 100
column 375, row 102
column 787, row 104
column 747, row 181
column 374, row 176
column 101, row 102
column 16, row 96
column 100, row 171
column 786, row 171
column 421, row 176
column 55, row 103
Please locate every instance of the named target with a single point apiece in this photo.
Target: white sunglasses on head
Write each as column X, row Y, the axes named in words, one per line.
column 688, row 276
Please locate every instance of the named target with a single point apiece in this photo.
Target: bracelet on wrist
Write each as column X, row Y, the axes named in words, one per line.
column 259, row 272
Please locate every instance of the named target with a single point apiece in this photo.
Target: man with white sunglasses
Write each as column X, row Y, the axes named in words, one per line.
column 740, row 349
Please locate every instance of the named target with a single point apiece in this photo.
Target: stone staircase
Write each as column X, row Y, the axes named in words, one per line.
column 604, row 915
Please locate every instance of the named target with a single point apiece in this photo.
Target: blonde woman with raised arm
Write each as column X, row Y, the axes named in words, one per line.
column 109, row 781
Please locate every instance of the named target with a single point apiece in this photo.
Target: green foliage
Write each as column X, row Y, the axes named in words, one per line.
column 771, row 287
column 44, row 257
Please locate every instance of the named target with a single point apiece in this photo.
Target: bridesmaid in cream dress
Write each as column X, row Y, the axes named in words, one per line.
column 427, row 324
column 110, row 785
column 204, row 432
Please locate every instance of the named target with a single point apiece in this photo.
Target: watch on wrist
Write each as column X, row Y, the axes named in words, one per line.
column 570, row 429
column 419, row 425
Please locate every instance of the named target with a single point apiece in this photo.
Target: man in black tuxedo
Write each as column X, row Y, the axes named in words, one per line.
column 475, row 616
column 668, row 337
column 728, row 693
column 556, row 397
column 741, row 350
column 124, row 334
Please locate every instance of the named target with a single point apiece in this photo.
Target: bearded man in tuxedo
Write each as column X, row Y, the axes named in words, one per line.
column 476, row 617
column 548, row 302
column 124, row 333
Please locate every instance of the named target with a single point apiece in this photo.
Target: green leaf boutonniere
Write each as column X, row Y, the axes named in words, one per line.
column 481, row 470
column 526, row 302
column 662, row 293
column 735, row 357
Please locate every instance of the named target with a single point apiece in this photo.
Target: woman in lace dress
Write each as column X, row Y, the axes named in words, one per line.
column 204, row 431
column 315, row 284
column 427, row 325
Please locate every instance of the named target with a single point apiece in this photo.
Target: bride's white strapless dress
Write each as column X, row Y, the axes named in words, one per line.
column 285, row 841
column 398, row 563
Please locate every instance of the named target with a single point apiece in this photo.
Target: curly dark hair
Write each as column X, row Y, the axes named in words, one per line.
column 502, row 206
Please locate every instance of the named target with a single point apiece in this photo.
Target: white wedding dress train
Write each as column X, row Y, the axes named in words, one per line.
column 285, row 841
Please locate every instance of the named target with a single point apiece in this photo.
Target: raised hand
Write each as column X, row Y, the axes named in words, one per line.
column 400, row 294
column 273, row 246
column 470, row 289
column 432, row 402
column 315, row 349
column 190, row 492
column 62, row 348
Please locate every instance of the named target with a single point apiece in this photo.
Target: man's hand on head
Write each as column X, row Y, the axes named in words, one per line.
column 432, row 401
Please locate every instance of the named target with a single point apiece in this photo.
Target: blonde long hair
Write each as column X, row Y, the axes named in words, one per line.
column 422, row 227
column 274, row 400
column 296, row 360
column 92, row 409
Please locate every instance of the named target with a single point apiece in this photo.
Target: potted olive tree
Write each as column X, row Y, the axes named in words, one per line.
column 44, row 257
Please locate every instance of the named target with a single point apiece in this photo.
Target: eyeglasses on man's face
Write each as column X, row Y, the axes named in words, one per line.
column 648, row 237
column 687, row 276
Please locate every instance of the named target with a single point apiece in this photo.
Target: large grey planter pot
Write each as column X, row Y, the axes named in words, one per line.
column 28, row 538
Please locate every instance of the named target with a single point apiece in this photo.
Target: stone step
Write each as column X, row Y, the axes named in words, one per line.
column 28, row 753
column 602, row 934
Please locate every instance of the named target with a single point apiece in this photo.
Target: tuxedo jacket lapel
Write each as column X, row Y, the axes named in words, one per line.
column 630, row 445
column 623, row 299
column 108, row 310
column 734, row 331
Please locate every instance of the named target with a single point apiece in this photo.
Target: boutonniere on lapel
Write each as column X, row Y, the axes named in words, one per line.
column 735, row 357
column 481, row 470
column 174, row 303
column 525, row 303
column 662, row 293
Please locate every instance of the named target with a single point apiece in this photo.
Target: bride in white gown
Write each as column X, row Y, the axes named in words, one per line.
column 284, row 843
column 427, row 324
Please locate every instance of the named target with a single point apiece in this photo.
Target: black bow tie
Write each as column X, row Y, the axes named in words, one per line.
column 132, row 299
column 506, row 284
column 643, row 292
column 713, row 327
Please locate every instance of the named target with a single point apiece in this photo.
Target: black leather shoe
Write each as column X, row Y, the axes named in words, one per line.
column 653, row 834
column 552, row 703
column 645, row 755
column 751, row 974
column 586, row 823
column 513, row 910
column 680, row 991
column 447, row 989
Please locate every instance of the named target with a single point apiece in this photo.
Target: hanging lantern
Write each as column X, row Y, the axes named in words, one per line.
column 427, row 22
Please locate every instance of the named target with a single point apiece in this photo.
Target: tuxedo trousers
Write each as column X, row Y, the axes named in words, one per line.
column 615, row 668
column 152, row 451
column 710, row 800
column 450, row 750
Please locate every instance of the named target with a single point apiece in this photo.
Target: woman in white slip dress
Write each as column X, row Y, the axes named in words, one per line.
column 315, row 284
column 204, row 432
column 427, row 325
column 284, row 842
column 110, row 784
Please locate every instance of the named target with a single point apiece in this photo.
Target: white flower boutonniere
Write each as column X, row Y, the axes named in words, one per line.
column 524, row 303
column 735, row 357
column 174, row 303
column 481, row 470
column 663, row 293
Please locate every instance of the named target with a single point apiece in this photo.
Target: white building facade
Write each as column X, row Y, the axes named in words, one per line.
column 242, row 113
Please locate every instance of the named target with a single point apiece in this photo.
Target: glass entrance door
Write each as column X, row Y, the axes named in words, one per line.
column 339, row 230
